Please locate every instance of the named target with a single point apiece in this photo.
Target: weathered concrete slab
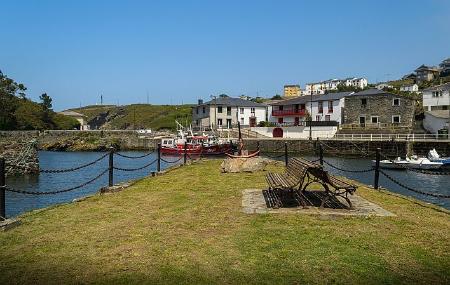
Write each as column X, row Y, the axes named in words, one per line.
column 253, row 202
column 9, row 224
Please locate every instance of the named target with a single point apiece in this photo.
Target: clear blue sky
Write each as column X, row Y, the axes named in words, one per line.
column 180, row 51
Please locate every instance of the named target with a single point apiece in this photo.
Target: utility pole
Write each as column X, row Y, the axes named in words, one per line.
column 101, row 99
column 310, row 116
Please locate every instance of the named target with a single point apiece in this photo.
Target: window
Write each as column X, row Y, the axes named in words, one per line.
column 203, row 110
column 374, row 119
column 396, row 119
column 219, row 122
column 437, row 94
column 228, row 111
column 364, row 102
column 318, row 118
column 228, row 123
column 327, row 118
column 396, row 102
column 196, row 111
column 320, row 106
column 252, row 110
column 241, row 110
column 330, row 106
column 242, row 121
column 280, row 120
column 280, row 108
column 219, row 109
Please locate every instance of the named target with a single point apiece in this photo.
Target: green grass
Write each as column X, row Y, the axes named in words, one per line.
column 145, row 116
column 186, row 227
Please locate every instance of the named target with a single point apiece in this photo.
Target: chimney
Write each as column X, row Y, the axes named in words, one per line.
column 200, row 101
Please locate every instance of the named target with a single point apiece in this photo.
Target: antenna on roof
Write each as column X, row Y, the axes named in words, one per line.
column 101, row 99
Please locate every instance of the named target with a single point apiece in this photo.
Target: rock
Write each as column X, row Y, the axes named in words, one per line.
column 253, row 164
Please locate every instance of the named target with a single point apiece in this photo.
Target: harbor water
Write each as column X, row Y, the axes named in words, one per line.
column 17, row 203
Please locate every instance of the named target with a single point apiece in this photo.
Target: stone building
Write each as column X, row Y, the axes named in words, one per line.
column 426, row 73
column 379, row 109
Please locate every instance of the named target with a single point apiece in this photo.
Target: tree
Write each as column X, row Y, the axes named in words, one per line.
column 277, row 97
column 46, row 102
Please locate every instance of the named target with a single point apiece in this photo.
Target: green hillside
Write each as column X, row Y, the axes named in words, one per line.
column 136, row 116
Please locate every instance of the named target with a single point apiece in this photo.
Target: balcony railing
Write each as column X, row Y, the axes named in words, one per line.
column 299, row 112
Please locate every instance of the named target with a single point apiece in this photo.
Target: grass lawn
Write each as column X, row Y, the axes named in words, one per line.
column 186, row 227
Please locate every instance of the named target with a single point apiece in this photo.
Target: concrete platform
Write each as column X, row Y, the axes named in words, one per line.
column 254, row 202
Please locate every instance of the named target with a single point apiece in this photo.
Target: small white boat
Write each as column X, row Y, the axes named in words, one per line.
column 398, row 163
column 435, row 157
column 422, row 163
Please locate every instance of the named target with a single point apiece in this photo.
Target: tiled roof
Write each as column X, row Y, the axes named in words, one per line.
column 229, row 101
column 441, row 87
column 444, row 114
column 306, row 99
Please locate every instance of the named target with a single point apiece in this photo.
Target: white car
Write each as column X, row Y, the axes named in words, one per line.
column 144, row 132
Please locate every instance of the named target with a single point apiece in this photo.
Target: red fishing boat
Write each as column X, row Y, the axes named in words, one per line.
column 204, row 144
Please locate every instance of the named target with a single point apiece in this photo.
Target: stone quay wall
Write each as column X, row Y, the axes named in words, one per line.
column 21, row 157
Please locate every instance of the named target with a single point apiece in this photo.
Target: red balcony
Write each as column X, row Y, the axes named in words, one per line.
column 299, row 112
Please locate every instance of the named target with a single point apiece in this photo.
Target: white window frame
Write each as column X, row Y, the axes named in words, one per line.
column 399, row 119
column 372, row 117
column 252, row 110
column 221, row 122
column 393, row 100
column 241, row 111
column 242, row 121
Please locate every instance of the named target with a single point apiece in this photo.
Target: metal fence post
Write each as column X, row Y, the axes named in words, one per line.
column 185, row 152
column 2, row 189
column 257, row 146
column 285, row 153
column 159, row 158
column 377, row 169
column 111, row 167
column 320, row 154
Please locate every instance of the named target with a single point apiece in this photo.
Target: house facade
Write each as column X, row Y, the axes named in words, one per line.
column 332, row 85
column 379, row 109
column 77, row 116
column 426, row 73
column 436, row 98
column 226, row 112
column 436, row 120
column 292, row 91
column 294, row 112
column 410, row 88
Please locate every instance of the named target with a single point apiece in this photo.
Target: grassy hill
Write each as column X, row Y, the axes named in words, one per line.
column 136, row 116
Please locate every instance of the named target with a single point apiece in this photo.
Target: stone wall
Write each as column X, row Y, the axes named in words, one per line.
column 21, row 157
column 378, row 105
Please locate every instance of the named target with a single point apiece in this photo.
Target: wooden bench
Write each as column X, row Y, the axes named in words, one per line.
column 300, row 174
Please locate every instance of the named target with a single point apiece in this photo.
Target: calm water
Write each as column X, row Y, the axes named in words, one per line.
column 420, row 181
column 19, row 203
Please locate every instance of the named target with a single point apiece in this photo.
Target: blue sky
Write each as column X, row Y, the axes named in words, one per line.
column 179, row 51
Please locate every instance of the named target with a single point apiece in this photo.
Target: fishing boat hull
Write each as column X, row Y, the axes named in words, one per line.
column 388, row 164
column 196, row 150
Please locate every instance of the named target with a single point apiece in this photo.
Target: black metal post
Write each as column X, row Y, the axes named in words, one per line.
column 111, row 167
column 320, row 154
column 377, row 169
column 2, row 189
column 185, row 152
column 158, row 166
column 286, row 153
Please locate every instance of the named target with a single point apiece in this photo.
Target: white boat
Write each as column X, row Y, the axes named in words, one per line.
column 435, row 157
column 398, row 163
column 422, row 163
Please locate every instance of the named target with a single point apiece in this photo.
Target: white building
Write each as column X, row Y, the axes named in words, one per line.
column 436, row 120
column 437, row 97
column 326, row 107
column 332, row 84
column 382, row 86
column 226, row 112
column 77, row 116
column 410, row 88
